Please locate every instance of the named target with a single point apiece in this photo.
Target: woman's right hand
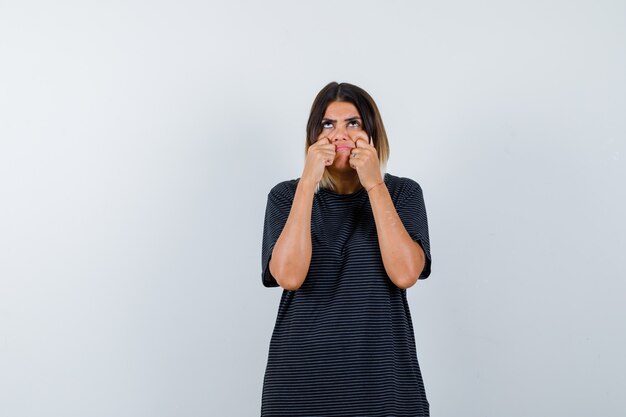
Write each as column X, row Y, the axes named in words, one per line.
column 318, row 157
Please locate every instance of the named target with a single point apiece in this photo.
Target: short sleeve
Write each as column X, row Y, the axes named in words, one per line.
column 276, row 213
column 412, row 212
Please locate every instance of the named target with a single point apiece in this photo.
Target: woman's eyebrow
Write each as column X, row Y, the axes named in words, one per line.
column 349, row 119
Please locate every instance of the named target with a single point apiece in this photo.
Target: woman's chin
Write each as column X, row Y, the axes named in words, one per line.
column 341, row 168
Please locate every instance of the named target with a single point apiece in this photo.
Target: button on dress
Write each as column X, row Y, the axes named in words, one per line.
column 343, row 343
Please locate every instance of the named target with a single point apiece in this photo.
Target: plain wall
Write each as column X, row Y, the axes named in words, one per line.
column 139, row 140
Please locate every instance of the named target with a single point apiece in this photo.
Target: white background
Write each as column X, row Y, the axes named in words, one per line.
column 139, row 140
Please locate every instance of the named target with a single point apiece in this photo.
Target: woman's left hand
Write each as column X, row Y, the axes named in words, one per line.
column 365, row 162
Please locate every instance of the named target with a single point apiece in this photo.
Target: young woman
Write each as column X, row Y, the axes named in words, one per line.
column 344, row 241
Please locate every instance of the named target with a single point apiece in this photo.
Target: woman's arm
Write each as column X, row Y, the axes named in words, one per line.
column 403, row 257
column 291, row 256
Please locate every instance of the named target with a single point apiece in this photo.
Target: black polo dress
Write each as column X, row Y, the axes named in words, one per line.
column 343, row 343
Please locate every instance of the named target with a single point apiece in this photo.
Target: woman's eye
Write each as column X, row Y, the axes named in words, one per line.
column 326, row 125
column 354, row 123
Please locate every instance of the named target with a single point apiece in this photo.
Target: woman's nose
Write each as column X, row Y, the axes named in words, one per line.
column 338, row 134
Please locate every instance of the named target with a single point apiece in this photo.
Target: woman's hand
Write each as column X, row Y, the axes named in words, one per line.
column 319, row 155
column 364, row 159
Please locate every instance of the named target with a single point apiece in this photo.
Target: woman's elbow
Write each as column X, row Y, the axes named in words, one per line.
column 404, row 283
column 289, row 284
column 285, row 278
column 408, row 276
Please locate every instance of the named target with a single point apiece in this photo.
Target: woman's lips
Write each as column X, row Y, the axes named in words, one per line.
column 344, row 148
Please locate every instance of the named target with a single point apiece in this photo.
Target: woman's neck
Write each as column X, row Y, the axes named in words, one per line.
column 346, row 183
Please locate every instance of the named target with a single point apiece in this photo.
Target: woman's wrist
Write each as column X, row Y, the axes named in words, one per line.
column 375, row 185
column 307, row 183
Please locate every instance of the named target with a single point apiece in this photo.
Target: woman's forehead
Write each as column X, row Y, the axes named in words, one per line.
column 341, row 110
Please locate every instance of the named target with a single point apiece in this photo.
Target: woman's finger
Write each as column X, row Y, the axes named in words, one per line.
column 362, row 142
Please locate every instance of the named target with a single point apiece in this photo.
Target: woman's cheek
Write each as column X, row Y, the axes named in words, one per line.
column 357, row 133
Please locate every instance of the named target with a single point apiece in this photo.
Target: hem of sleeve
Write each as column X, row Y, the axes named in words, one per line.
column 426, row 271
column 267, row 278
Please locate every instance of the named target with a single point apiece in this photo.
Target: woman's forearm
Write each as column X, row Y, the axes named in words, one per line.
column 403, row 257
column 291, row 256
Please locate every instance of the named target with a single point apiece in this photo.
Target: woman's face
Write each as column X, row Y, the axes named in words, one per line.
column 342, row 125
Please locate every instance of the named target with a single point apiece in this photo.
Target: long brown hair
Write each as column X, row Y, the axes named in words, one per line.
column 372, row 122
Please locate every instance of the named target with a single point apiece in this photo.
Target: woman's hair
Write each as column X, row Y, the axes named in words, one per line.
column 372, row 122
